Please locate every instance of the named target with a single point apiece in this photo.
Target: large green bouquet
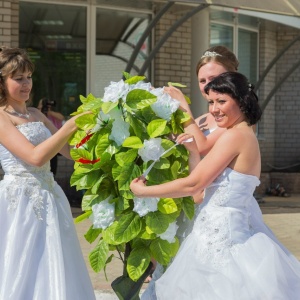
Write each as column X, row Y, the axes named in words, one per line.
column 130, row 127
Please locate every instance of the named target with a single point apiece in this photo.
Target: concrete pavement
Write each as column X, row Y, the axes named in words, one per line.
column 282, row 215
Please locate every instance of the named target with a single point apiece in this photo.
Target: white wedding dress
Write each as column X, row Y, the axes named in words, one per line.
column 230, row 253
column 40, row 255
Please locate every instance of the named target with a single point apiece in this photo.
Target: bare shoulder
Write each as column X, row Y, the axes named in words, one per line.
column 4, row 119
column 235, row 136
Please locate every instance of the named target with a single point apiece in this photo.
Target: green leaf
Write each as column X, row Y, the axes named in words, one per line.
column 156, row 127
column 137, row 263
column 92, row 234
column 163, row 163
column 108, row 234
column 139, row 99
column 147, row 236
column 127, row 157
column 187, row 99
column 86, row 122
column 103, row 143
column 175, row 169
column 77, row 153
column 128, row 227
column 95, row 187
column 108, row 106
column 157, row 222
column 98, row 256
column 137, row 125
column 162, row 251
column 83, row 216
column 84, row 181
column 188, row 207
column 128, row 173
column 133, row 142
column 93, row 105
column 77, row 137
column 167, row 206
column 89, row 198
column 134, row 79
column 176, row 84
column 126, row 75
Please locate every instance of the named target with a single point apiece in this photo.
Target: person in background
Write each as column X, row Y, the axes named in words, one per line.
column 213, row 62
column 40, row 255
column 230, row 253
column 46, row 107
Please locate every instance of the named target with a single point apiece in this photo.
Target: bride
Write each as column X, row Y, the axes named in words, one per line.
column 40, row 255
column 230, row 253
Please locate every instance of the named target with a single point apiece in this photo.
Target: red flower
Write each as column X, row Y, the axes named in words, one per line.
column 87, row 161
column 84, row 140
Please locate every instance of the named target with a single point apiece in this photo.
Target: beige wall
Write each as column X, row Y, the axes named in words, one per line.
column 9, row 23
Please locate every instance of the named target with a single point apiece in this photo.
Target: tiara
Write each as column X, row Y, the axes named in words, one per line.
column 210, row 54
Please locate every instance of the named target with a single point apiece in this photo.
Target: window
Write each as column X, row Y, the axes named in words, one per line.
column 55, row 37
column 240, row 34
column 117, row 33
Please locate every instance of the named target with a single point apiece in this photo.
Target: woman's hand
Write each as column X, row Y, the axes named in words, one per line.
column 137, row 185
column 177, row 94
column 188, row 141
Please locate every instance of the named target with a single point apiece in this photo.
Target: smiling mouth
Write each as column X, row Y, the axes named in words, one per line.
column 219, row 117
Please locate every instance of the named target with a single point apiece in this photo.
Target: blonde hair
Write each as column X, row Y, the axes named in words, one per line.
column 220, row 55
column 12, row 60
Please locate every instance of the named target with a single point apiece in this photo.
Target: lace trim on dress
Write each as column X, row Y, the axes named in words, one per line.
column 212, row 226
column 28, row 187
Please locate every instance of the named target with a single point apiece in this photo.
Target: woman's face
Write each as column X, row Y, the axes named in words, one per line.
column 19, row 86
column 207, row 73
column 224, row 109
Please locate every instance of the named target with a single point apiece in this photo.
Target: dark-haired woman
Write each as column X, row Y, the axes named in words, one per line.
column 230, row 253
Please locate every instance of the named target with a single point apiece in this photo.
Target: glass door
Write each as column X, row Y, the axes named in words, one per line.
column 55, row 37
column 116, row 34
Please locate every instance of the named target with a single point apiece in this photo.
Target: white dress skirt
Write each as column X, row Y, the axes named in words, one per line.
column 230, row 253
column 40, row 255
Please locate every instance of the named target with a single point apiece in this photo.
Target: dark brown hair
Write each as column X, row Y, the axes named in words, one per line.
column 237, row 86
column 12, row 60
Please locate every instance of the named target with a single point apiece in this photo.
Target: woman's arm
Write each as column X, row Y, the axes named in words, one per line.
column 225, row 150
column 204, row 143
column 17, row 143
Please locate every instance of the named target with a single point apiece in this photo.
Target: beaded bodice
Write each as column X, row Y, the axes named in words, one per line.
column 23, row 180
column 35, row 132
column 224, row 217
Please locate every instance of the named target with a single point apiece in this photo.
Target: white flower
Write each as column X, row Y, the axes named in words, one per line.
column 103, row 214
column 152, row 149
column 101, row 118
column 142, row 86
column 169, row 234
column 164, row 105
column 120, row 131
column 144, row 205
column 158, row 91
column 115, row 91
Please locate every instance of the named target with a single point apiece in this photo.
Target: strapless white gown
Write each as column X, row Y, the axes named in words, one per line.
column 40, row 255
column 230, row 253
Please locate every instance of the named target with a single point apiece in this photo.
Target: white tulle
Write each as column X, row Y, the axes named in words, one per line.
column 40, row 256
column 230, row 253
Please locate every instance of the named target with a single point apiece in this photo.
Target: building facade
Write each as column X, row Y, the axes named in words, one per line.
column 79, row 46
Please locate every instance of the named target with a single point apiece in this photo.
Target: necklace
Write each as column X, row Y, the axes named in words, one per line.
column 15, row 113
